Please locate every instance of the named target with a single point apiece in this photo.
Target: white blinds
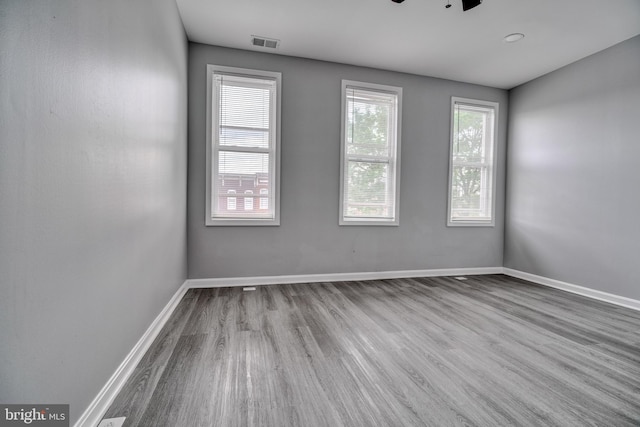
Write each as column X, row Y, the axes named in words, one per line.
column 472, row 162
column 244, row 138
column 370, row 153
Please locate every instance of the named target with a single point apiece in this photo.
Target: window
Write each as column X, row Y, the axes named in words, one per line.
column 248, row 200
column 264, row 201
column 243, row 145
column 471, row 169
column 370, row 162
column 231, row 200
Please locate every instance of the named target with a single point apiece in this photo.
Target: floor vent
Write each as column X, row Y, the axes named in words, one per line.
column 112, row 422
column 249, row 288
column 264, row 42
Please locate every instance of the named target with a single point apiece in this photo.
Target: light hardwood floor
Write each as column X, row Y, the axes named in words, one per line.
column 487, row 351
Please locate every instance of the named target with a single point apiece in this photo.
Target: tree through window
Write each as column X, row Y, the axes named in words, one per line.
column 471, row 176
column 370, row 154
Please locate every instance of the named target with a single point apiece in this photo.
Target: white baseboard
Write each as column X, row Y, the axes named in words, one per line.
column 576, row 289
column 96, row 410
column 337, row 277
column 99, row 406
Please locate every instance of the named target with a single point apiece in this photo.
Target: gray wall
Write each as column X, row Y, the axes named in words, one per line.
column 92, row 188
column 573, row 181
column 309, row 240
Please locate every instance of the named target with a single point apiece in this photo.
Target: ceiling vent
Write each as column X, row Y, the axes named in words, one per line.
column 260, row 41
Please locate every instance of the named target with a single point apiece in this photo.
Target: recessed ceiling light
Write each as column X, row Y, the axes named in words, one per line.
column 512, row 38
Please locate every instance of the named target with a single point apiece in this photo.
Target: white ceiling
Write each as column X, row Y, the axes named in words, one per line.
column 422, row 36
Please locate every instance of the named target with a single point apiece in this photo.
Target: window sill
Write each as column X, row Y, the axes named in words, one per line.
column 376, row 223
column 239, row 222
column 470, row 223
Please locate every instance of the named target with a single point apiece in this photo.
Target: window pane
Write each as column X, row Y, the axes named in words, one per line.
column 368, row 190
column 367, row 127
column 244, row 137
column 230, row 162
column 466, row 191
column 472, row 134
column 243, row 174
column 243, row 106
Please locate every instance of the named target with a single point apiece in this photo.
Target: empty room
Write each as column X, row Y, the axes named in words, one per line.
column 319, row 213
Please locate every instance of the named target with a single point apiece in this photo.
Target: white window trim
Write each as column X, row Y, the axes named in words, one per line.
column 343, row 158
column 209, row 221
column 474, row 222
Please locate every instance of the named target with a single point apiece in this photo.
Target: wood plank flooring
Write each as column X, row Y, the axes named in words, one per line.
column 487, row 351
